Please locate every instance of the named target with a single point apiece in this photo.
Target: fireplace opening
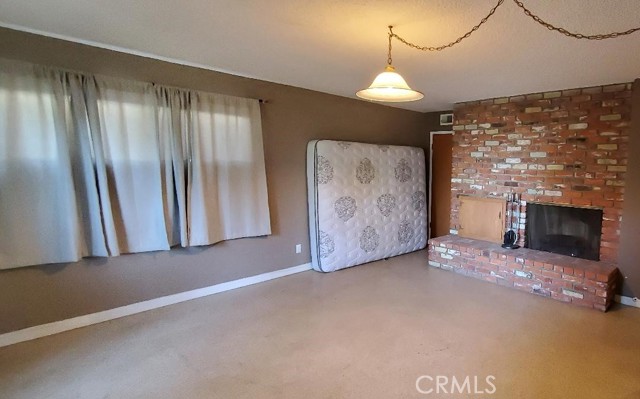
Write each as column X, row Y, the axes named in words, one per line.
column 564, row 230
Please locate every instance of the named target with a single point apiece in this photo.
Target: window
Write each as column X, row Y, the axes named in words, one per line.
column 94, row 166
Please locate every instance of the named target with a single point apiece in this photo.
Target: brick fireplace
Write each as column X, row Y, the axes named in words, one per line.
column 563, row 147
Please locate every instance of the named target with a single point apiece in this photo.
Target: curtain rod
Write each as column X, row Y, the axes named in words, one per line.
column 260, row 100
column 89, row 74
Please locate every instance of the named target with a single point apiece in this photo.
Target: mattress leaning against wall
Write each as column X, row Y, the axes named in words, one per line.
column 366, row 202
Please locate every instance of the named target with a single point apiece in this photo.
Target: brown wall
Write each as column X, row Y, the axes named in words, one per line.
column 629, row 256
column 293, row 116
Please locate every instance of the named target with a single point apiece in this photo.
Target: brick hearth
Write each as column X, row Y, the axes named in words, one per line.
column 564, row 278
column 565, row 147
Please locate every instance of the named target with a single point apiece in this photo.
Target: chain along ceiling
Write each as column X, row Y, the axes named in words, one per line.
column 338, row 46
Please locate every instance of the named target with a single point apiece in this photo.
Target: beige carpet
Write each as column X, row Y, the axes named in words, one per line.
column 367, row 332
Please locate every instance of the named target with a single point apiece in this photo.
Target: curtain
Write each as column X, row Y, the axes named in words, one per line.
column 96, row 166
column 227, row 196
column 218, row 164
column 174, row 143
column 46, row 212
column 124, row 125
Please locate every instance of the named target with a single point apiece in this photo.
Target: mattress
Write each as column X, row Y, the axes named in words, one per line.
column 366, row 202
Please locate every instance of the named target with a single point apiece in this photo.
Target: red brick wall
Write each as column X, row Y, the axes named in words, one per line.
column 567, row 147
column 579, row 281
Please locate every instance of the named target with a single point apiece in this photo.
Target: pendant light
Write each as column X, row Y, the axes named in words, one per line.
column 389, row 86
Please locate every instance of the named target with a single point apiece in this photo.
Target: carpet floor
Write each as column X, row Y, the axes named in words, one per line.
column 372, row 331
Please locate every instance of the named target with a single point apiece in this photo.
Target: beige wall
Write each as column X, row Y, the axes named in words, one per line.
column 35, row 295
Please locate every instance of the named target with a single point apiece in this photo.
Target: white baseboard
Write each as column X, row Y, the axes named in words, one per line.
column 56, row 327
column 627, row 300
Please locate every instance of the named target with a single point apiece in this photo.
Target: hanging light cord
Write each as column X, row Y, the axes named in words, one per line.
column 389, row 61
column 444, row 46
column 600, row 36
column 527, row 12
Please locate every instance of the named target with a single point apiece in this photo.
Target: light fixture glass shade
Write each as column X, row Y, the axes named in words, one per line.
column 389, row 86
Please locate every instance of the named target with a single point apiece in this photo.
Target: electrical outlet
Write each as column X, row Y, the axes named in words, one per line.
column 298, row 248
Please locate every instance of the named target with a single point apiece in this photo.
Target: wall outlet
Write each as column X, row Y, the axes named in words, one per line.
column 298, row 248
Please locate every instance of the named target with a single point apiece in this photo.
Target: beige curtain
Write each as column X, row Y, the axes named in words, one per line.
column 124, row 126
column 49, row 211
column 95, row 166
column 218, row 139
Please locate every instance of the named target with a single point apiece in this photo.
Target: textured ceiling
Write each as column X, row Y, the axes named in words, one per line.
column 338, row 46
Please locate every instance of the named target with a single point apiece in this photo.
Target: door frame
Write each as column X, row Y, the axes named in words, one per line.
column 431, row 134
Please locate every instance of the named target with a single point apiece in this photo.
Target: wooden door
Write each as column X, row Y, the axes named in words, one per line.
column 440, row 212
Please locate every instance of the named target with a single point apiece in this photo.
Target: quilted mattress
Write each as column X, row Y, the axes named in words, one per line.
column 366, row 202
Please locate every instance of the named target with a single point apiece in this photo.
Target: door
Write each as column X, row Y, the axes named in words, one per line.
column 440, row 190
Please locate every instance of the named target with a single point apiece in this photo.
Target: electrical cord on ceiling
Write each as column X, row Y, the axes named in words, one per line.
column 599, row 36
column 453, row 43
column 529, row 13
